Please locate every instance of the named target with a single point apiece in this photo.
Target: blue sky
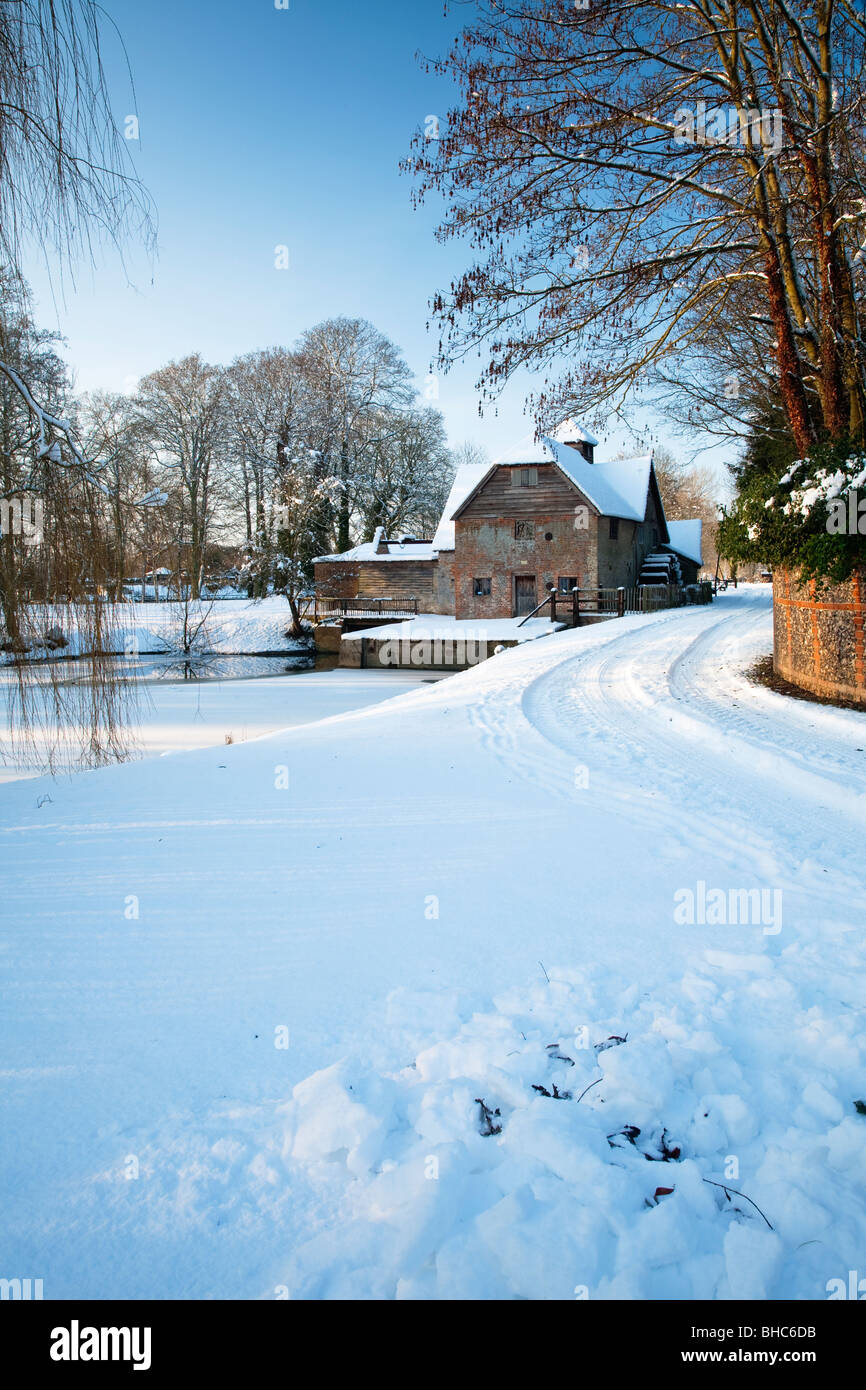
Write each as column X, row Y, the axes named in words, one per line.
column 263, row 127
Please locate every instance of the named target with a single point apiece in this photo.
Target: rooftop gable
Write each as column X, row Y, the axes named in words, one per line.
column 468, row 477
column 618, row 487
column 615, row 487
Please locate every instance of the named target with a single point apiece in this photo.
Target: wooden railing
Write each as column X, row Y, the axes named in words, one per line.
column 606, row 603
column 650, row 598
column 570, row 607
column 360, row 607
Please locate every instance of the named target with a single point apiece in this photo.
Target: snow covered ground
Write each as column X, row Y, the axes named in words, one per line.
column 406, row 1003
column 230, row 626
column 433, row 627
column 234, row 625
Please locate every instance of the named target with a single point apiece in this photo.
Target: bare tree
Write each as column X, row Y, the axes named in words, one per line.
column 280, row 559
column 65, row 170
column 267, row 418
column 632, row 174
column 469, row 452
column 111, row 431
column 687, row 491
column 180, row 408
column 406, row 472
column 356, row 373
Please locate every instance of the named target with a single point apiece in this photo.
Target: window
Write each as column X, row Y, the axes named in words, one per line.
column 524, row 531
column 614, row 528
column 481, row 588
column 567, row 583
column 526, row 477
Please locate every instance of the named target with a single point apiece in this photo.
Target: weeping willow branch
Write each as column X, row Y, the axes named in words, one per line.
column 55, row 594
column 66, row 178
column 66, row 174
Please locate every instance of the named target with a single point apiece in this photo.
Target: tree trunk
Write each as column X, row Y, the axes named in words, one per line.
column 343, row 536
column 790, row 367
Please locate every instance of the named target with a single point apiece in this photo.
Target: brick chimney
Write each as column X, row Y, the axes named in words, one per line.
column 576, row 437
column 583, row 447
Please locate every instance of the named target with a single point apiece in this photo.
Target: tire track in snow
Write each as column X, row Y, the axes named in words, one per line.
column 508, row 731
column 642, row 701
column 639, row 711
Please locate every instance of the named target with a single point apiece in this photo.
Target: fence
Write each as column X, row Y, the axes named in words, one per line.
column 323, row 608
column 608, row 603
column 650, row 598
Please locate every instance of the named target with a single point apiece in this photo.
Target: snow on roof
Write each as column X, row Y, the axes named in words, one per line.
column 686, row 539
column 526, row 450
column 468, row 476
column 532, row 450
column 397, row 550
column 617, row 487
column 570, row 430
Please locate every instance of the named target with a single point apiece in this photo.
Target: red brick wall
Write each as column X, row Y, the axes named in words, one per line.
column 819, row 635
column 443, row 583
column 486, row 548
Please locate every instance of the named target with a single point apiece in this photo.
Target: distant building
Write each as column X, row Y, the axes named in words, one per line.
column 513, row 528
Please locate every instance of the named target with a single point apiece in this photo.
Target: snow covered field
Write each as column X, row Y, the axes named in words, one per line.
column 230, row 626
column 404, row 1003
column 234, row 625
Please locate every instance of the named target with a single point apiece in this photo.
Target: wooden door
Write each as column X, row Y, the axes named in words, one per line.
column 524, row 595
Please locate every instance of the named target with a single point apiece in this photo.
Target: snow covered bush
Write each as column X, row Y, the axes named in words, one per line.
column 800, row 518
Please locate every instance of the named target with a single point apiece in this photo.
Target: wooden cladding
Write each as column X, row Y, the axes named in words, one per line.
column 503, row 496
column 386, row 579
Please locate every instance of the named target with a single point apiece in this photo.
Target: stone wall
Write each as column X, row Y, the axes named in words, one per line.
column 443, row 583
column 619, row 560
column 420, row 654
column 818, row 638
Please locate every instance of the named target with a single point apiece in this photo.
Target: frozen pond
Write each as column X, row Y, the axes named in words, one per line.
column 235, row 700
column 170, row 668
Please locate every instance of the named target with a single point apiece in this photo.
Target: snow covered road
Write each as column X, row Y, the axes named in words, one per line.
column 255, row 996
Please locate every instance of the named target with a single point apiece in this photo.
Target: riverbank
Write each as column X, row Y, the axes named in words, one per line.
column 227, row 627
column 178, row 716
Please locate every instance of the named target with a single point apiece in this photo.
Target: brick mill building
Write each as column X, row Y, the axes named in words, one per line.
column 512, row 529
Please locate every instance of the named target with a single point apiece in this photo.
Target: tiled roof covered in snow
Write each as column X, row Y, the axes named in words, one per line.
column 372, row 550
column 618, row 487
column 687, row 539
